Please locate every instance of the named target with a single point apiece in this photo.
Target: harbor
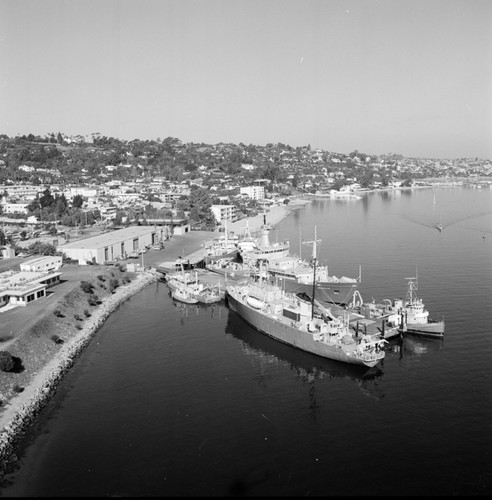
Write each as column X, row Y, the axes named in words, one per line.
column 198, row 381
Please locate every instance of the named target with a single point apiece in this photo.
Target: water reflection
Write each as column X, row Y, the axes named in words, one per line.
column 307, row 367
column 409, row 345
column 187, row 310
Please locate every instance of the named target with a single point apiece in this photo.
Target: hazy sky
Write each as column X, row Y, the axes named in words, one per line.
column 412, row 77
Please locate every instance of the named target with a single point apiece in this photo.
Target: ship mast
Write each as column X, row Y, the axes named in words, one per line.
column 314, row 243
column 314, row 287
column 314, row 264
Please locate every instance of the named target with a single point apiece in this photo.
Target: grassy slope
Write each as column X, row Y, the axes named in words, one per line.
column 35, row 346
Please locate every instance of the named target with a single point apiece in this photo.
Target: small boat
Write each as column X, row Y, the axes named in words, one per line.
column 226, row 267
column 300, row 322
column 210, row 295
column 416, row 316
column 439, row 226
column 408, row 316
column 176, row 280
column 183, row 294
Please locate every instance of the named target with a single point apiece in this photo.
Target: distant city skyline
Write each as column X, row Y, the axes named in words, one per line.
column 409, row 77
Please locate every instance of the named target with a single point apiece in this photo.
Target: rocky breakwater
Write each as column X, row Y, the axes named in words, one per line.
column 20, row 413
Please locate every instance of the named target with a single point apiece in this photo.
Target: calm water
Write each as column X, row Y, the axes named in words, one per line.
column 190, row 401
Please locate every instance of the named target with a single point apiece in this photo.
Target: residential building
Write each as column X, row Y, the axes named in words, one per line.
column 254, row 192
column 224, row 212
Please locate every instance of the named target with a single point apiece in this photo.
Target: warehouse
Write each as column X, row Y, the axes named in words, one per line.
column 114, row 245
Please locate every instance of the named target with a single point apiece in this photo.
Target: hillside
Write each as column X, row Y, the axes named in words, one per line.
column 27, row 333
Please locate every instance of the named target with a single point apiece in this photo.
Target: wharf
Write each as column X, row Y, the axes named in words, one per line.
column 176, row 249
column 359, row 322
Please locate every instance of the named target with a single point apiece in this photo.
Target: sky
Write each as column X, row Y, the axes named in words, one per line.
column 410, row 77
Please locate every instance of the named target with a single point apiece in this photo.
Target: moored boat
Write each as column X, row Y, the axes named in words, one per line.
column 408, row 316
column 297, row 275
column 224, row 246
column 292, row 319
column 229, row 268
column 178, row 279
column 252, row 250
column 210, row 295
column 416, row 316
column 184, row 294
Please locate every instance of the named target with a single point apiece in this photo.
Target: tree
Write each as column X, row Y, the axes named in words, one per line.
column 40, row 248
column 199, row 203
column 77, row 201
column 47, row 199
column 7, row 362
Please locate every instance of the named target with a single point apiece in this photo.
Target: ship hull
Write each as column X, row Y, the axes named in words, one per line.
column 432, row 329
column 290, row 335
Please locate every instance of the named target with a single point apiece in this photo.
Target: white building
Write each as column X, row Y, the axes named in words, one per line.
column 15, row 208
column 25, row 191
column 224, row 212
column 254, row 192
column 44, row 263
column 21, row 288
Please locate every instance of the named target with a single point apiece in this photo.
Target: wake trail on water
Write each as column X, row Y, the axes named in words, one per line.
column 450, row 223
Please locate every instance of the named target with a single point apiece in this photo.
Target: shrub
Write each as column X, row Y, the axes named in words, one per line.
column 93, row 300
column 100, row 277
column 58, row 313
column 86, row 286
column 7, row 362
column 18, row 388
column 77, row 317
column 78, row 326
column 87, row 313
column 57, row 340
column 113, row 284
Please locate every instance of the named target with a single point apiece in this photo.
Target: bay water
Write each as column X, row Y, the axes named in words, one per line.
column 178, row 400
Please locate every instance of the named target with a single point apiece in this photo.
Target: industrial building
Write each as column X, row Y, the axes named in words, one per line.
column 114, row 245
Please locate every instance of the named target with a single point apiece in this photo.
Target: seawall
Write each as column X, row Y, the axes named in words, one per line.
column 22, row 410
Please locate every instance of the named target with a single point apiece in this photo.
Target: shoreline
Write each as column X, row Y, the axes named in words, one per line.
column 274, row 216
column 20, row 412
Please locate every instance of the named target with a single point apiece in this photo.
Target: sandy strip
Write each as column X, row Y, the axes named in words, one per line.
column 20, row 412
column 273, row 217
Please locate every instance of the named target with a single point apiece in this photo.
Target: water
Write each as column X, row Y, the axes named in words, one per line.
column 189, row 401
